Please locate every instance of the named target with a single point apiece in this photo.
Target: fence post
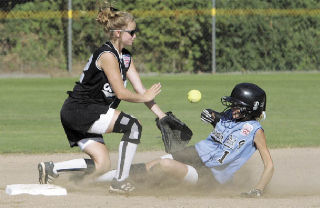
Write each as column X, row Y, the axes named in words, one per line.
column 213, row 13
column 69, row 35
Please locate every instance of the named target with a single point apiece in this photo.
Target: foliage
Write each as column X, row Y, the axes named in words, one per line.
column 35, row 41
column 259, row 42
column 173, row 36
column 180, row 43
column 164, row 43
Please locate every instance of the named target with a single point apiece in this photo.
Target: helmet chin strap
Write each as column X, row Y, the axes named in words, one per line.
column 243, row 113
column 262, row 117
column 241, row 116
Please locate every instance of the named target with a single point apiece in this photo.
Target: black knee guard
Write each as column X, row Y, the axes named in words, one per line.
column 129, row 126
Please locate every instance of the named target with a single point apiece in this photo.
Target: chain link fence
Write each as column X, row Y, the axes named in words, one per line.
column 173, row 36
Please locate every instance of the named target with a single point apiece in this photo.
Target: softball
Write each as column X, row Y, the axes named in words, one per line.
column 194, row 96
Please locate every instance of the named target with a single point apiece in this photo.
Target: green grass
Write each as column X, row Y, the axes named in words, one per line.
column 29, row 109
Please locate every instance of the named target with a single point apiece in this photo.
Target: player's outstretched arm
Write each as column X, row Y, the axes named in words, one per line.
column 134, row 78
column 260, row 142
column 110, row 67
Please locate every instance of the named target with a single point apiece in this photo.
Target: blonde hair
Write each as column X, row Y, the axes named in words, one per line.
column 113, row 19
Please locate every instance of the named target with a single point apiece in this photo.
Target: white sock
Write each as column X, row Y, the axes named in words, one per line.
column 127, row 151
column 191, row 176
column 70, row 165
column 107, row 177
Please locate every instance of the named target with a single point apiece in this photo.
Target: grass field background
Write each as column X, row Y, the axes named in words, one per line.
column 30, row 123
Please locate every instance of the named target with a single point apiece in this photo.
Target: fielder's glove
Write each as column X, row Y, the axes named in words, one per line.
column 208, row 117
column 175, row 133
column 253, row 193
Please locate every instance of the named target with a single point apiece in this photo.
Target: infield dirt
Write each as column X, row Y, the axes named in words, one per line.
column 295, row 183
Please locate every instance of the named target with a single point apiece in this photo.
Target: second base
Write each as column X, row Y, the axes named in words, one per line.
column 36, row 189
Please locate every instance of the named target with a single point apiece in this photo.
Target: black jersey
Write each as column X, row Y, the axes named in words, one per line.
column 93, row 86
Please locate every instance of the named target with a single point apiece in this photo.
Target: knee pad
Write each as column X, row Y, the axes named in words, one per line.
column 168, row 156
column 129, row 126
column 192, row 175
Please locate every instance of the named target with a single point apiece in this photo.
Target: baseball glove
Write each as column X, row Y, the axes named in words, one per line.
column 175, row 134
column 210, row 116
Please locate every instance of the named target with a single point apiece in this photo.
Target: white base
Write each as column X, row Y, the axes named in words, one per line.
column 36, row 189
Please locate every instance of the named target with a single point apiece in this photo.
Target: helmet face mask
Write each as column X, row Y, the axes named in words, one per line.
column 235, row 105
column 248, row 98
column 232, row 102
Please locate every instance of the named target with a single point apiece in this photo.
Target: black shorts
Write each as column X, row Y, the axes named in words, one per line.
column 190, row 156
column 77, row 118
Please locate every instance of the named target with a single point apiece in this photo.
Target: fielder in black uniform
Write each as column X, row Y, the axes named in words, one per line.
column 90, row 109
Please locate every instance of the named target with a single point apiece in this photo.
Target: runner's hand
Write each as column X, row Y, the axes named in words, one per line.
column 253, row 193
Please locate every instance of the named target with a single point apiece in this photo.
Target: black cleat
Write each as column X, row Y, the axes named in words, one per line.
column 46, row 174
column 121, row 187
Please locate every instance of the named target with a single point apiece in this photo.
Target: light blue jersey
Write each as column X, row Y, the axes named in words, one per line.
column 228, row 146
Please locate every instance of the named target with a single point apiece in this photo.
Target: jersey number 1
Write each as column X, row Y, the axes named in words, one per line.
column 223, row 156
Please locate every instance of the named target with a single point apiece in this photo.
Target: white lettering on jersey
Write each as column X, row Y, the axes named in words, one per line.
column 217, row 136
column 230, row 142
column 241, row 143
column 107, row 90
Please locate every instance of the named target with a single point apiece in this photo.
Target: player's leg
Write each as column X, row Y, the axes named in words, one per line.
column 170, row 167
column 186, row 162
column 98, row 163
column 181, row 165
column 93, row 145
column 131, row 129
column 100, row 158
column 165, row 165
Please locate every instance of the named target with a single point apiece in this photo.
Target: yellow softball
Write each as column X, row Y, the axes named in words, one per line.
column 194, row 96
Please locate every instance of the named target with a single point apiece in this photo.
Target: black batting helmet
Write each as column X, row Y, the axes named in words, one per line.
column 250, row 98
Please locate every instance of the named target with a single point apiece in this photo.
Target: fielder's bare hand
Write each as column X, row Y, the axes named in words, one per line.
column 152, row 92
